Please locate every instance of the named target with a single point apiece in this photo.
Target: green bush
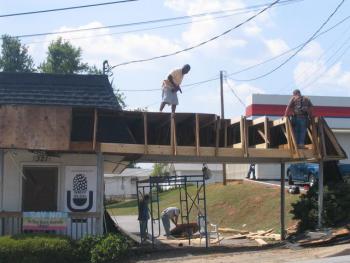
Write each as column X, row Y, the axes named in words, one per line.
column 109, row 249
column 336, row 205
column 85, row 246
column 27, row 248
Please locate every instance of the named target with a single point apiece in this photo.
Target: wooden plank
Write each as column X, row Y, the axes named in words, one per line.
column 261, row 242
column 292, row 137
column 95, row 129
column 217, row 135
column 246, row 137
column 35, row 127
column 82, row 146
column 197, row 135
column 267, row 132
column 279, row 122
column 314, row 139
column 174, row 134
column 332, row 138
column 259, row 120
column 145, row 134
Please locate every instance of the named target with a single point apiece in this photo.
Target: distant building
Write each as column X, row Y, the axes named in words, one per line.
column 196, row 169
column 123, row 185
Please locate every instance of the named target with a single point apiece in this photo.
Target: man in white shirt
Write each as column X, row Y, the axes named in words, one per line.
column 171, row 86
column 170, row 213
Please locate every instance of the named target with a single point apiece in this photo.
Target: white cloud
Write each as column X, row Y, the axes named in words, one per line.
column 312, row 51
column 276, row 46
column 252, row 30
column 100, row 45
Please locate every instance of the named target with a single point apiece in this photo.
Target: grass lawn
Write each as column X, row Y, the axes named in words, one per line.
column 254, row 205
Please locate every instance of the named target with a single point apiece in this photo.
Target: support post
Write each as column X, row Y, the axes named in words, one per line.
column 320, row 195
column 100, row 191
column 222, row 117
column 283, row 209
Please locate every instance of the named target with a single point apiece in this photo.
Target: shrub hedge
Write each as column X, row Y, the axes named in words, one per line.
column 336, row 206
column 43, row 248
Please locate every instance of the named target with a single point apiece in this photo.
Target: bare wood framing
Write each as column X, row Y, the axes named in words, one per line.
column 95, row 129
column 197, row 135
column 217, row 135
column 145, row 134
column 267, row 132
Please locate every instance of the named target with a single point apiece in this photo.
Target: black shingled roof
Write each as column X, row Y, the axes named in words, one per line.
column 57, row 89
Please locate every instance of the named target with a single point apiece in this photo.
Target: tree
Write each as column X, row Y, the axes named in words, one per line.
column 63, row 58
column 160, row 169
column 14, row 56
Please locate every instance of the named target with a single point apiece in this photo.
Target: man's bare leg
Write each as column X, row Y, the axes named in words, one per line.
column 173, row 108
column 162, row 106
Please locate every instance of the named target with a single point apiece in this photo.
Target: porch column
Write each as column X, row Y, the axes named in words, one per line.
column 100, row 191
column 320, row 195
column 283, row 208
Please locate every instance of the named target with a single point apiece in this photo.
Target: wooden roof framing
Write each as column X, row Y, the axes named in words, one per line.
column 157, row 137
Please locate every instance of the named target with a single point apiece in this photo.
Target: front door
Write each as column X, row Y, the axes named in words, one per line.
column 40, row 188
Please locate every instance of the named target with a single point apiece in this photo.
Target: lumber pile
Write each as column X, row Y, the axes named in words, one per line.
column 260, row 236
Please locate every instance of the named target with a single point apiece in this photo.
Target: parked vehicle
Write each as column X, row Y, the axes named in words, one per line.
column 308, row 173
column 302, row 172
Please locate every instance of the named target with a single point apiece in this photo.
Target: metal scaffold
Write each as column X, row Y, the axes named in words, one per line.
column 192, row 201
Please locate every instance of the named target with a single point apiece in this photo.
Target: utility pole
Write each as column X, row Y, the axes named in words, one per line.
column 105, row 67
column 222, row 117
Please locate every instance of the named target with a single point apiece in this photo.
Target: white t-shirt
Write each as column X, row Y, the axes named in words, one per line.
column 171, row 212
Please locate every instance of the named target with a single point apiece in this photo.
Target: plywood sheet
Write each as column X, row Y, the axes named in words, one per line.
column 35, row 127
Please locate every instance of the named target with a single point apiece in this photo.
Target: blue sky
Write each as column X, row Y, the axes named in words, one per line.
column 323, row 68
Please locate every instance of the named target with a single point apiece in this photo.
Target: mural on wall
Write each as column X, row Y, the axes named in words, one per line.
column 80, row 188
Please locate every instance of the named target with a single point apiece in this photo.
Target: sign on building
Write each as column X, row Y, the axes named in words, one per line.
column 80, row 188
column 45, row 221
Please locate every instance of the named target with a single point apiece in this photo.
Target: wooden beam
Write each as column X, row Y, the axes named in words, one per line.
column 82, row 146
column 225, row 134
column 217, row 135
column 314, row 138
column 332, row 138
column 173, row 133
column 145, row 133
column 95, row 129
column 267, row 132
column 197, row 135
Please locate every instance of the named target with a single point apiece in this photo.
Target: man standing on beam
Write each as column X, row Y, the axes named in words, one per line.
column 300, row 108
column 171, row 86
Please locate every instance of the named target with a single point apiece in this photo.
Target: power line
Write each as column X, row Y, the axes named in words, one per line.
column 148, row 28
column 151, row 21
column 200, row 44
column 307, row 85
column 306, row 72
column 299, row 49
column 288, row 51
column 158, row 89
column 66, row 8
column 234, row 93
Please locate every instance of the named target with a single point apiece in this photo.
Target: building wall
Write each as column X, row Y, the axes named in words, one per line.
column 236, row 171
column 15, row 160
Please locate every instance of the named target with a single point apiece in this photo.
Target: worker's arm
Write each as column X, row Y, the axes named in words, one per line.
column 176, row 87
column 174, row 219
column 287, row 112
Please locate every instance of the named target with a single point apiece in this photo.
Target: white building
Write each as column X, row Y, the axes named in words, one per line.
column 335, row 110
column 196, row 169
column 123, row 185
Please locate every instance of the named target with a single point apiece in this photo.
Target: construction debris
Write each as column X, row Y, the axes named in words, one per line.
column 260, row 236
